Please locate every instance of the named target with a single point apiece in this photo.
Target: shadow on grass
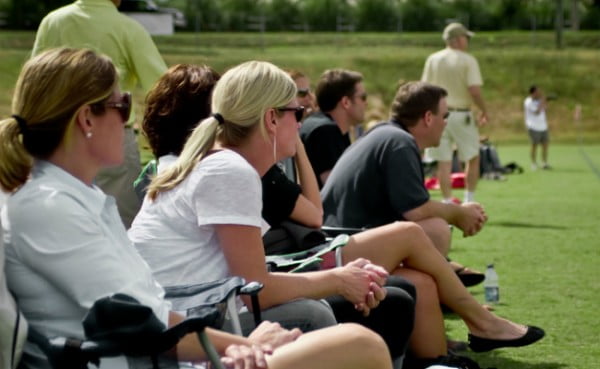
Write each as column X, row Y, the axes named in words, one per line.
column 566, row 170
column 524, row 225
column 498, row 361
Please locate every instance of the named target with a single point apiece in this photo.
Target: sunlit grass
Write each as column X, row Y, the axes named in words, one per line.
column 543, row 237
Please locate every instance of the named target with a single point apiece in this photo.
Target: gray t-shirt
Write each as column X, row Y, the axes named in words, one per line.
column 376, row 180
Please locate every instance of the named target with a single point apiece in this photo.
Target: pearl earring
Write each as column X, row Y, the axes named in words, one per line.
column 88, row 135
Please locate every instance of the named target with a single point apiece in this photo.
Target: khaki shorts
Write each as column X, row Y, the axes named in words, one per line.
column 461, row 131
column 538, row 137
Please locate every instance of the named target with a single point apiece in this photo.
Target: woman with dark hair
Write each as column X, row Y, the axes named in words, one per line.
column 204, row 210
column 175, row 105
column 179, row 100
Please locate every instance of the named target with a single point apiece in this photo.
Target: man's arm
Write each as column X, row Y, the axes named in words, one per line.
column 475, row 92
column 541, row 106
column 469, row 217
column 145, row 58
column 40, row 42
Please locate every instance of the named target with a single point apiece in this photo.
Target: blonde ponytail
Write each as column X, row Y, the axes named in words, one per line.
column 240, row 100
column 200, row 141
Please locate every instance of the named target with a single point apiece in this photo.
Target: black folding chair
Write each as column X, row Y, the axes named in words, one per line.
column 142, row 334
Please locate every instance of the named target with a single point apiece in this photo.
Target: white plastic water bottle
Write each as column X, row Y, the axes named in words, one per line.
column 490, row 284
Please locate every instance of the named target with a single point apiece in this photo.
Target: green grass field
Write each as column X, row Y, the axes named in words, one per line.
column 543, row 237
column 543, row 229
column 510, row 62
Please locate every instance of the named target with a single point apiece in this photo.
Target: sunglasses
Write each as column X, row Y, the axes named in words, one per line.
column 362, row 96
column 123, row 107
column 298, row 111
column 303, row 92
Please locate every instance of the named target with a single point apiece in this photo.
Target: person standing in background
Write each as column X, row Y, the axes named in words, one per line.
column 458, row 73
column 537, row 126
column 98, row 25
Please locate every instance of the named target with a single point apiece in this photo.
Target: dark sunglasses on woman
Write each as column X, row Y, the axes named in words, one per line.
column 298, row 111
column 123, row 106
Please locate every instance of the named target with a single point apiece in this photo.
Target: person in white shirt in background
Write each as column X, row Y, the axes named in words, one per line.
column 537, row 125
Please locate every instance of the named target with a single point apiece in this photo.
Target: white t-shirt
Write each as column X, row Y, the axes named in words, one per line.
column 164, row 162
column 8, row 314
column 66, row 247
column 534, row 121
column 176, row 232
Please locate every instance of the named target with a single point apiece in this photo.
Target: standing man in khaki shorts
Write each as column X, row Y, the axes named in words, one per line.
column 458, row 72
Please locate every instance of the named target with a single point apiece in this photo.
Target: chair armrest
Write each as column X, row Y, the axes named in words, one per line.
column 303, row 260
column 185, row 297
column 335, row 231
column 70, row 353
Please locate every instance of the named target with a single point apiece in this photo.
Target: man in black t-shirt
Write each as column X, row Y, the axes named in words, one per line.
column 379, row 179
column 342, row 102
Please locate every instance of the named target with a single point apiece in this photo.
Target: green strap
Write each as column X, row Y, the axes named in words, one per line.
column 340, row 241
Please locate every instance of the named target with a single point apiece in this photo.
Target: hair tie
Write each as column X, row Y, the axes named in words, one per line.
column 22, row 123
column 219, row 118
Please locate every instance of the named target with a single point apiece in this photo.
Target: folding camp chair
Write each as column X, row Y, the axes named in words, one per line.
column 143, row 180
column 154, row 338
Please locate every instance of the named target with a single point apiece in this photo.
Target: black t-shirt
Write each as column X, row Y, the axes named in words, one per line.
column 323, row 141
column 279, row 196
column 376, row 181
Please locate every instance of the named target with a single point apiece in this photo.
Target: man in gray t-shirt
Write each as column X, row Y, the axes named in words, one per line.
column 379, row 179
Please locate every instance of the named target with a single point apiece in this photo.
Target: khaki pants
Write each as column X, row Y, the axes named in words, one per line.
column 118, row 181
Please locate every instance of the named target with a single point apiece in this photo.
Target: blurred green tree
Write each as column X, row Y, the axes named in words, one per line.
column 377, row 15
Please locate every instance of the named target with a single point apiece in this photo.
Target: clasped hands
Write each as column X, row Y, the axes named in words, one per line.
column 263, row 341
column 473, row 218
column 362, row 284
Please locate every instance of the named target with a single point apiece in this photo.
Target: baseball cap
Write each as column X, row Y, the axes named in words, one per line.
column 456, row 29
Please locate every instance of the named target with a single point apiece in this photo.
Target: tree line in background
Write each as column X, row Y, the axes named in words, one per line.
column 354, row 15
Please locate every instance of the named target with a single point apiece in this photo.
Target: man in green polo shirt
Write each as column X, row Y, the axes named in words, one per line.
column 458, row 73
column 98, row 25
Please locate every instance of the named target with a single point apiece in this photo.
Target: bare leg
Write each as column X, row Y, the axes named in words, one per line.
column 406, row 243
column 472, row 173
column 428, row 339
column 533, row 153
column 438, row 231
column 545, row 152
column 443, row 172
column 343, row 346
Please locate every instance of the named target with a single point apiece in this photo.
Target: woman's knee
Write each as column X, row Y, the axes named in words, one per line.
column 365, row 344
column 400, row 281
column 408, row 232
column 439, row 232
column 426, row 286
